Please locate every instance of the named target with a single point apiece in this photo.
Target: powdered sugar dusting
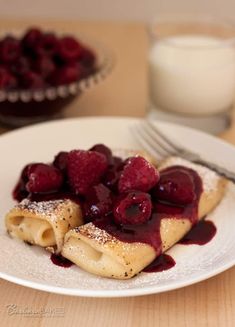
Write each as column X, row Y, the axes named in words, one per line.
column 95, row 233
column 43, row 208
column 209, row 177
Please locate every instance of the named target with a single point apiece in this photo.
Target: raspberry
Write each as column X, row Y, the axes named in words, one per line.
column 43, row 178
column 69, row 49
column 47, row 45
column 20, row 66
column 9, row 49
column 138, row 174
column 61, row 160
column 101, row 148
column 65, row 75
column 44, row 66
column 7, row 80
column 175, row 186
column 98, row 202
column 85, row 169
column 31, row 38
column 133, row 208
column 31, row 80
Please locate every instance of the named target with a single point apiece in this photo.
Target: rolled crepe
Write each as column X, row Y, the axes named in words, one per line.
column 100, row 253
column 43, row 223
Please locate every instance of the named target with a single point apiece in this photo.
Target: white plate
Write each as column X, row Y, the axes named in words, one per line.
column 31, row 266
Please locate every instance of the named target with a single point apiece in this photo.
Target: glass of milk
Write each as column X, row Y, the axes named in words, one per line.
column 192, row 71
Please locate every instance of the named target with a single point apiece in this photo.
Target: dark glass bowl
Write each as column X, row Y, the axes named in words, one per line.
column 24, row 107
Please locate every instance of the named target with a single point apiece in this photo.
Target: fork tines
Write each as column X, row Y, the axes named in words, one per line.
column 152, row 139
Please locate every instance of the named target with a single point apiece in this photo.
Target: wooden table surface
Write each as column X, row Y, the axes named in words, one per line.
column 124, row 92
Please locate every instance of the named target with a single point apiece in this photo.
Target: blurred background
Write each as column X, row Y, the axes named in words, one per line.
column 113, row 10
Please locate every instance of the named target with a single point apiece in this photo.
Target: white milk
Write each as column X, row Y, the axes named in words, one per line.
column 192, row 74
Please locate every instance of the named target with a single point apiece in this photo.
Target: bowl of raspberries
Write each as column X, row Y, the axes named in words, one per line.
column 41, row 72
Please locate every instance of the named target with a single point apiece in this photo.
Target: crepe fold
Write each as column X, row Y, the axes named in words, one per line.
column 98, row 252
column 43, row 223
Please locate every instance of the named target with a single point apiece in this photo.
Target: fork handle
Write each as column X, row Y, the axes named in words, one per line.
column 219, row 170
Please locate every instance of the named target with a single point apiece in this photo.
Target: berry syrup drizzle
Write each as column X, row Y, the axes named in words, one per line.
column 149, row 232
column 60, row 261
column 200, row 234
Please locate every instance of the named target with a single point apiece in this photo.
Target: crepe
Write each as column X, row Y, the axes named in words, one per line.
column 43, row 223
column 100, row 253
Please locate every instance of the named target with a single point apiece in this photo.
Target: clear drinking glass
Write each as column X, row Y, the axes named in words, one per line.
column 192, row 71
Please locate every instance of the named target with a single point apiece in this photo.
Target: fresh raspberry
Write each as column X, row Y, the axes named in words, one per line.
column 20, row 66
column 69, row 49
column 44, row 66
column 31, row 80
column 47, row 45
column 133, row 208
column 138, row 174
column 61, row 161
column 9, row 49
column 98, row 202
column 31, row 39
column 43, row 178
column 65, row 75
column 175, row 186
column 7, row 80
column 85, row 169
column 101, row 148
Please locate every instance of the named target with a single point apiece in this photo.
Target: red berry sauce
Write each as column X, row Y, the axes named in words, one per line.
column 200, row 234
column 161, row 263
column 58, row 260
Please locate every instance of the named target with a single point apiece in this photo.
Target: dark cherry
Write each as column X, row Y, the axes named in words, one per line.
column 9, row 49
column 47, row 45
column 87, row 57
column 31, row 38
column 161, row 263
column 98, row 202
column 44, row 66
column 43, row 178
column 101, row 148
column 61, row 161
column 132, row 208
column 111, row 178
column 69, row 48
column 65, row 75
column 31, row 80
column 20, row 66
column 19, row 192
column 118, row 162
column 59, row 260
column 7, row 80
column 200, row 234
column 175, row 186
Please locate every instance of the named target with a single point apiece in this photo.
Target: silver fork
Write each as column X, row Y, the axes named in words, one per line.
column 160, row 146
